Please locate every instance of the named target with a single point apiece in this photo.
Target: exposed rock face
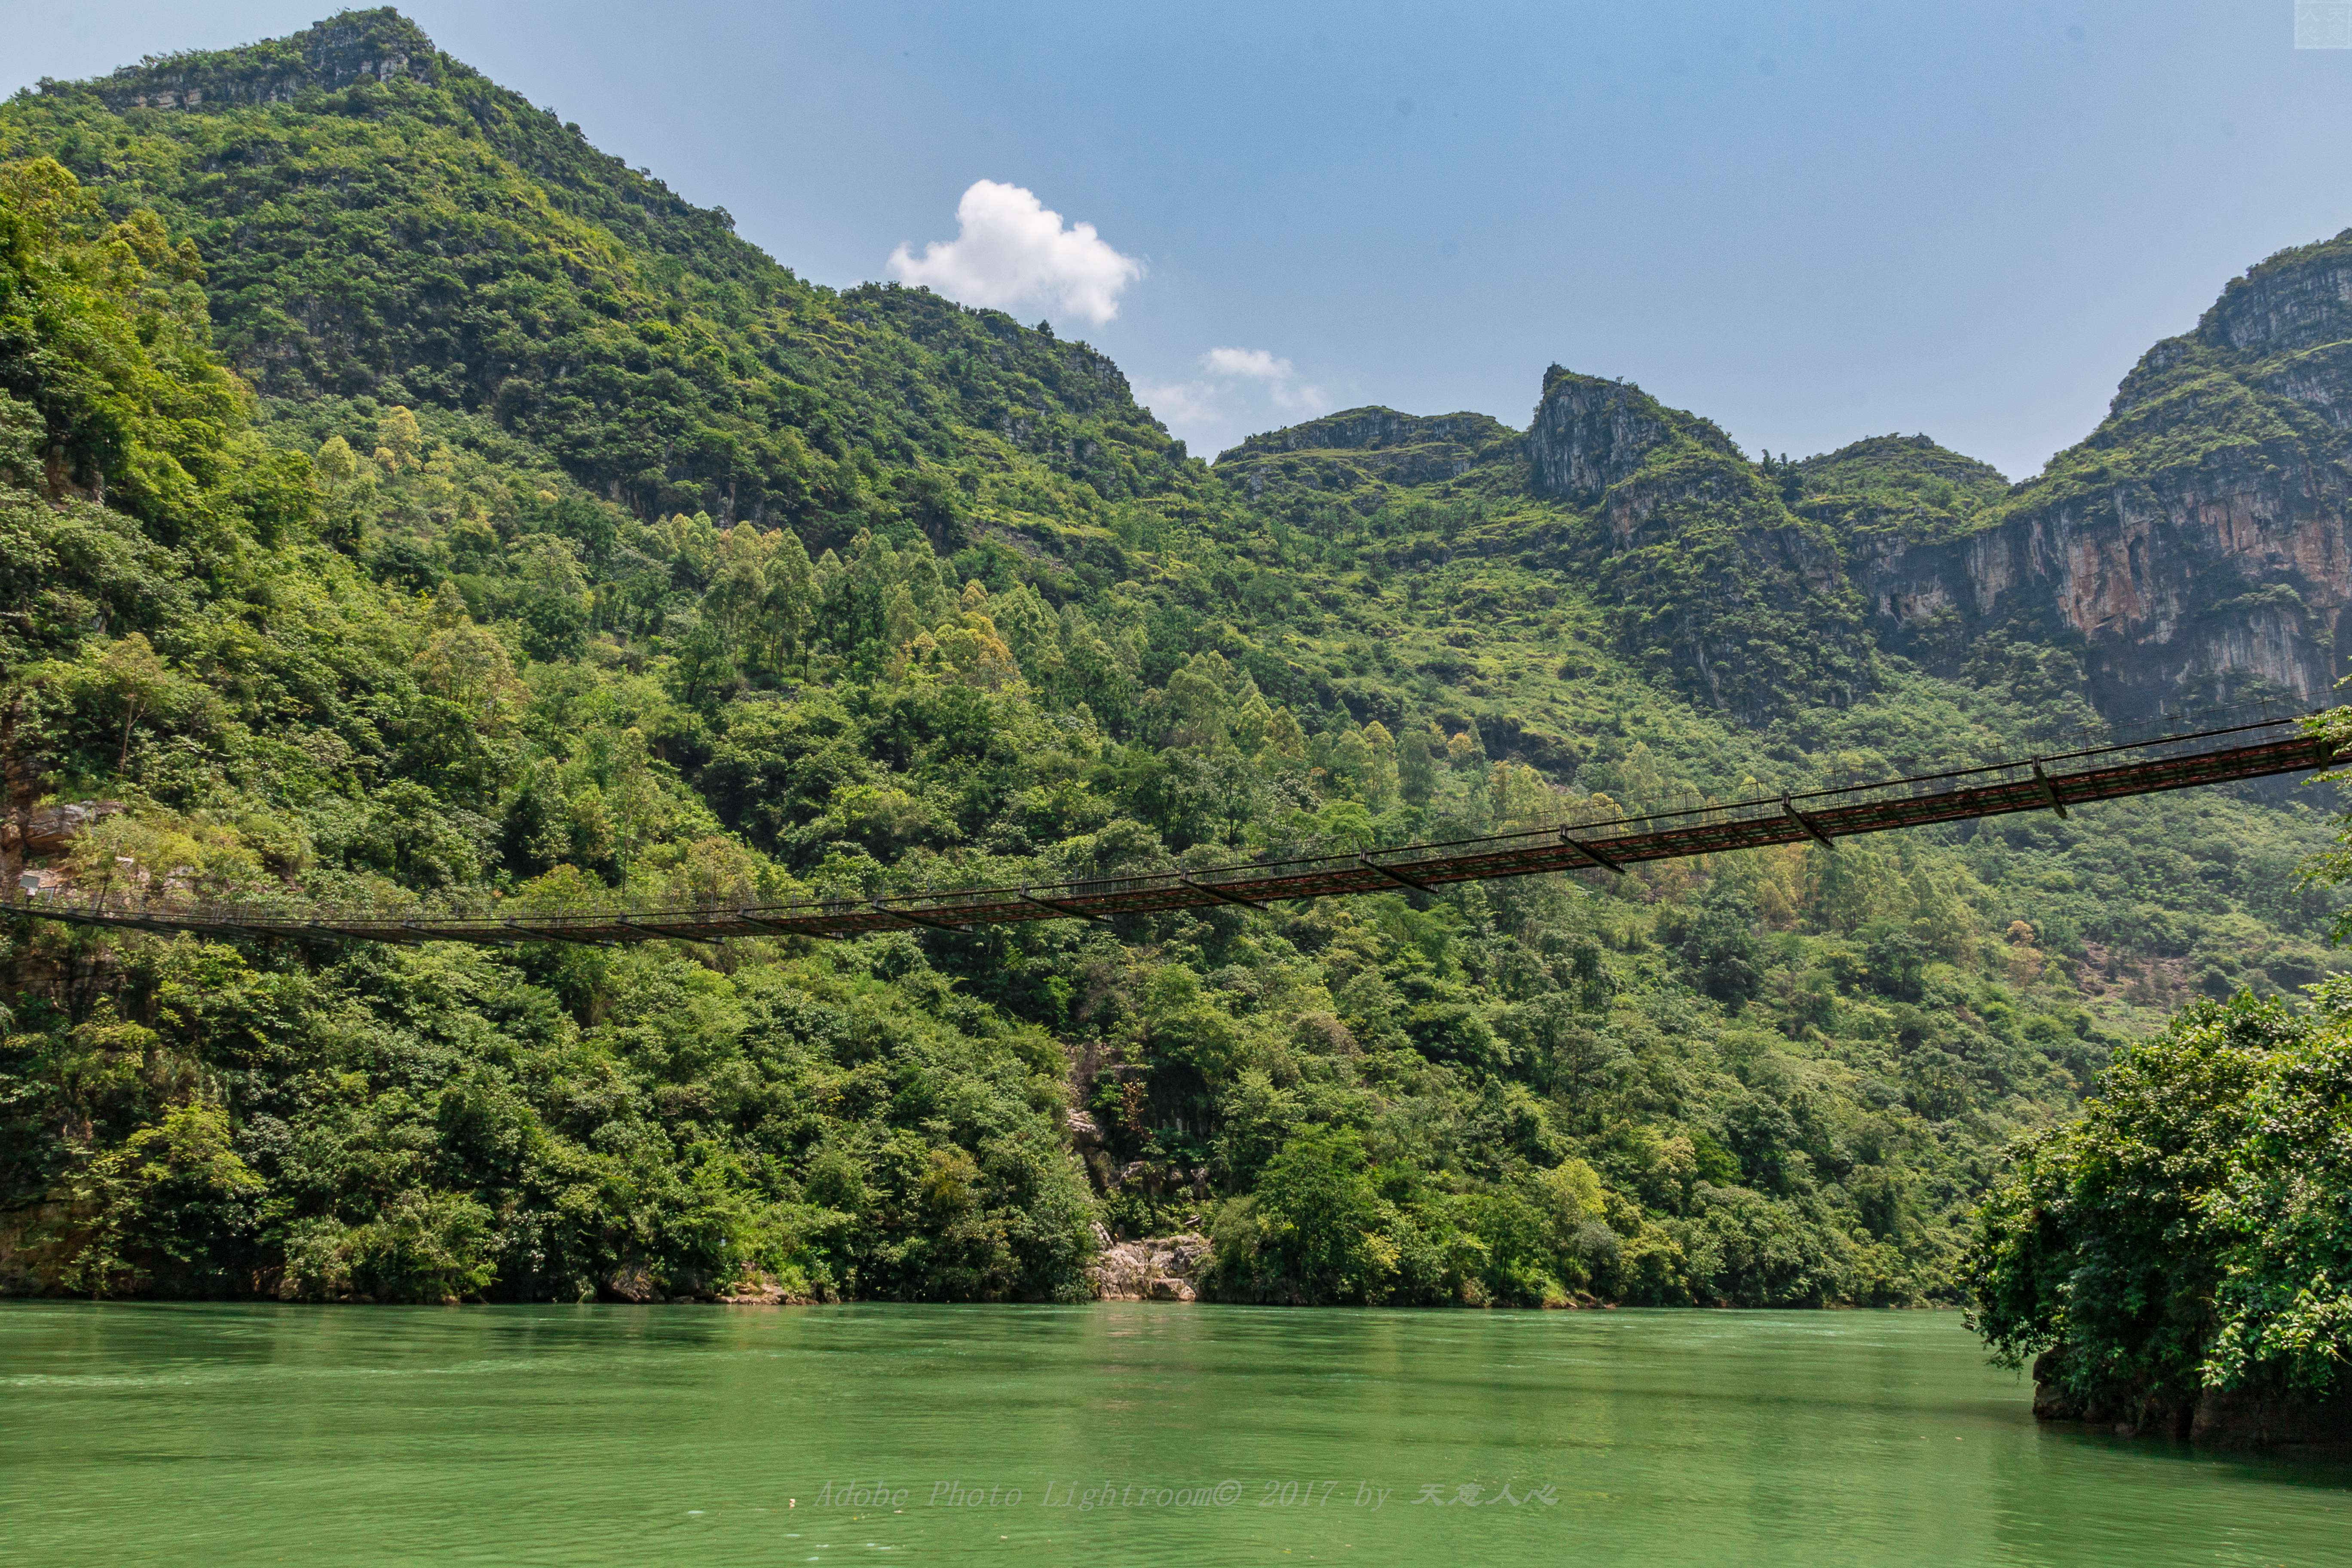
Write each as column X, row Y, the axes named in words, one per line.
column 1086, row 1137
column 2194, row 549
column 1712, row 583
column 760, row 1290
column 2299, row 298
column 1161, row 1268
column 355, row 45
column 1588, row 434
column 53, row 828
column 632, row 1282
column 2174, row 593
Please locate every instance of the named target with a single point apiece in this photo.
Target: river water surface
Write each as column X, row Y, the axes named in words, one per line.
column 1111, row 1435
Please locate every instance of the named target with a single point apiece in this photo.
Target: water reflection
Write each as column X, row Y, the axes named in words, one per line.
column 1119, row 1433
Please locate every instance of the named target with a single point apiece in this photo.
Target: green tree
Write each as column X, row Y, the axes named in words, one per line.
column 1416, row 772
column 790, row 607
column 1312, row 1233
column 2189, row 1230
column 1719, row 943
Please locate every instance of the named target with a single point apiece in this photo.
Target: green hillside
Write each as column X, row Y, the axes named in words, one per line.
column 404, row 503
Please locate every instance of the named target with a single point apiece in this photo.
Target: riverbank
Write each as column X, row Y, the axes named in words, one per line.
column 2211, row 1418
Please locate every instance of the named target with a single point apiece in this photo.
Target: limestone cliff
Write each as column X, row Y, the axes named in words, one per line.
column 357, row 46
column 1588, row 434
column 1710, row 582
column 2193, row 549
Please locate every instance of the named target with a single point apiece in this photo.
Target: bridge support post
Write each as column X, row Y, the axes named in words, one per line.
column 2049, row 791
column 881, row 908
column 1219, row 893
column 1590, row 853
column 1812, row 831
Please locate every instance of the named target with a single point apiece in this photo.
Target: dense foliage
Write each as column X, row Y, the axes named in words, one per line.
column 2193, row 1228
column 404, row 503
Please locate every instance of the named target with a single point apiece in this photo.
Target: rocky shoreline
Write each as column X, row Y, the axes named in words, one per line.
column 1155, row 1268
column 2209, row 1418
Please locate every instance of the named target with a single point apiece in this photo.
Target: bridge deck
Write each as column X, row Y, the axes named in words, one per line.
column 2111, row 772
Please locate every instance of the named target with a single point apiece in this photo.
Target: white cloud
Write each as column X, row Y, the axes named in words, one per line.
column 1010, row 250
column 1185, row 402
column 1258, row 364
column 1280, row 376
column 1237, row 390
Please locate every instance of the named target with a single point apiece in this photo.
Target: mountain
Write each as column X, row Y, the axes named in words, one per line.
column 403, row 503
column 383, row 222
column 2194, row 547
column 2190, row 552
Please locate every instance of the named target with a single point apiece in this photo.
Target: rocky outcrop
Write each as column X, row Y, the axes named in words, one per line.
column 1158, row 1268
column 1160, row 1178
column 52, row 828
column 1710, row 581
column 1588, row 434
column 373, row 46
column 632, row 1282
column 1086, row 1135
column 2299, row 298
column 761, row 1291
column 2207, row 589
column 2194, row 549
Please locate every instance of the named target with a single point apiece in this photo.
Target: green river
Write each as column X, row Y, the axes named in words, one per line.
column 1104, row 1434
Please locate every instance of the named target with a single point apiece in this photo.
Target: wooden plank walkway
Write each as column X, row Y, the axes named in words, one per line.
column 2187, row 761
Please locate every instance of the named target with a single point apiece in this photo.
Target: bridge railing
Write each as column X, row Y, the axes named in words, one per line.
column 2238, row 728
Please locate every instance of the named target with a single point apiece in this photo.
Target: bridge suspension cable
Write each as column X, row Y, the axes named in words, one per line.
column 2049, row 783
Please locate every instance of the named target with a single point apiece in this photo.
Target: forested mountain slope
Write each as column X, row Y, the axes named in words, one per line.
column 383, row 222
column 405, row 502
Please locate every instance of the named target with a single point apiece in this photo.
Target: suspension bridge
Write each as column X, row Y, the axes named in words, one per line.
column 2047, row 782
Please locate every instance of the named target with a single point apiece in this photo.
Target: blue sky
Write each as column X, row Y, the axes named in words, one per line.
column 1811, row 223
